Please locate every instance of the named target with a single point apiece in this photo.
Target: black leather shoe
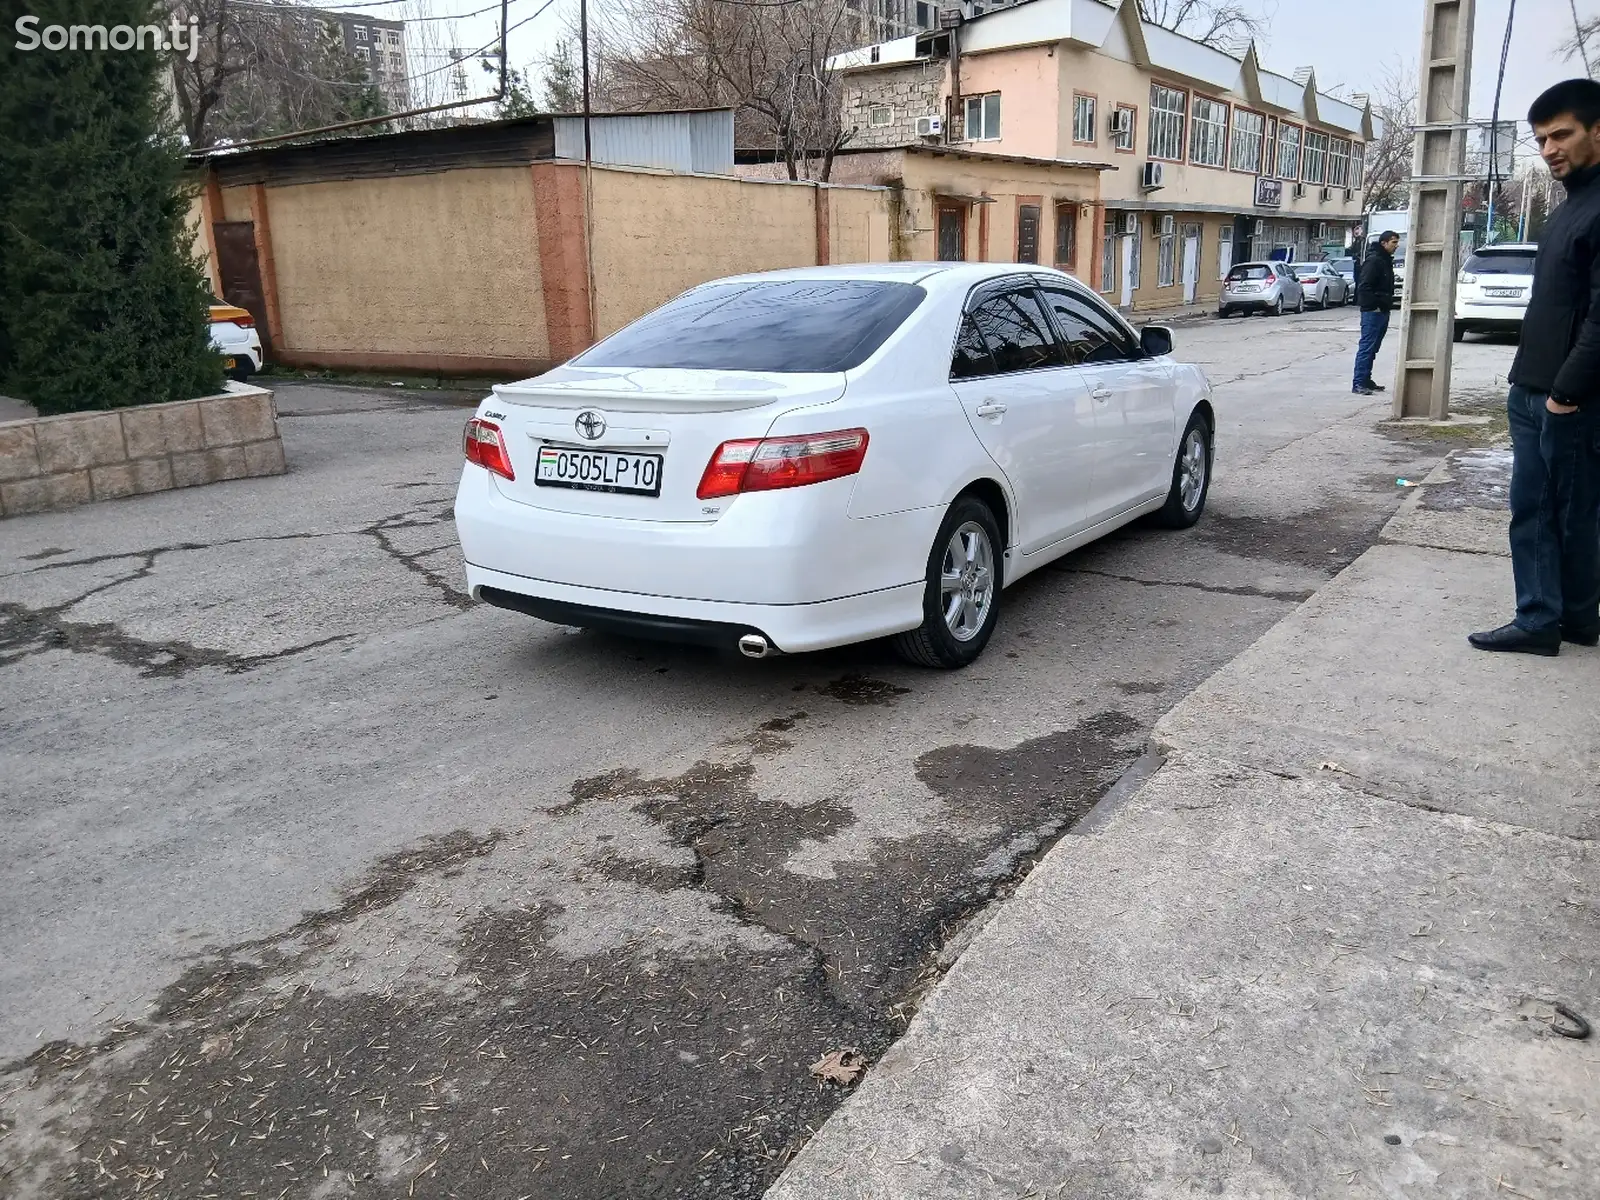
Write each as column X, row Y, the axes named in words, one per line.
column 1363, row 390
column 1376, row 386
column 1510, row 639
column 1581, row 637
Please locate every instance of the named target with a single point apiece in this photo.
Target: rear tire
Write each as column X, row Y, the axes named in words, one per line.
column 1458, row 332
column 961, row 600
column 1191, row 476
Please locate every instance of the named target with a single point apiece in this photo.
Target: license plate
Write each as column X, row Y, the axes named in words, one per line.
column 1503, row 293
column 599, row 471
column 1246, row 287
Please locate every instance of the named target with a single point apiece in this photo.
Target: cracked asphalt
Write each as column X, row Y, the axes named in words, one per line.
column 319, row 880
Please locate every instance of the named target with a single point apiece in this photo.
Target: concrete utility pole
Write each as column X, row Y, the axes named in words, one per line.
column 1433, row 252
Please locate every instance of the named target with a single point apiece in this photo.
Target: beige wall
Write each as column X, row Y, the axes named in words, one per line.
column 1029, row 122
column 445, row 263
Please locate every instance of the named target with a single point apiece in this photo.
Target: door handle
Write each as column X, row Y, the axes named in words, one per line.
column 990, row 409
column 1101, row 393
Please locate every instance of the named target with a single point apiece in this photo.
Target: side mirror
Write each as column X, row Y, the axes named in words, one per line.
column 1155, row 340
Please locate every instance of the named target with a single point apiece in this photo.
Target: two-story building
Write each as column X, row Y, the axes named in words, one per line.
column 1218, row 159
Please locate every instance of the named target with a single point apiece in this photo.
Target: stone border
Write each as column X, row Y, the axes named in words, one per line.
column 49, row 463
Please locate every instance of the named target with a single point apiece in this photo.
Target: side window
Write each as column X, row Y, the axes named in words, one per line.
column 1089, row 335
column 1003, row 333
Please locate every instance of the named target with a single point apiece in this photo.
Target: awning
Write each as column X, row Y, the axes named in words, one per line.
column 961, row 198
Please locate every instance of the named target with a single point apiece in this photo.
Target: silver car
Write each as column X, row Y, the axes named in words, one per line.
column 1268, row 287
column 1323, row 285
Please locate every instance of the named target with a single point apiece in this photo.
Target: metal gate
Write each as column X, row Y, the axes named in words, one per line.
column 239, row 273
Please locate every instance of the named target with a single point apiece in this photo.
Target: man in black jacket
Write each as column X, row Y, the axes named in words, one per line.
column 1554, row 402
column 1375, row 294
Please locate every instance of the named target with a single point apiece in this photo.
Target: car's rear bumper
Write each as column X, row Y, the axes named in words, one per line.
column 1487, row 315
column 789, row 628
column 1257, row 303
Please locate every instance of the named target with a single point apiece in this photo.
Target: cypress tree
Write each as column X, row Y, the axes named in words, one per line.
column 102, row 297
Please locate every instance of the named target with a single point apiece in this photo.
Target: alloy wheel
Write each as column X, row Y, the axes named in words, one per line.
column 1192, row 470
column 966, row 581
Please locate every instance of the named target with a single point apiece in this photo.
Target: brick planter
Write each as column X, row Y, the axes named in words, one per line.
column 60, row 462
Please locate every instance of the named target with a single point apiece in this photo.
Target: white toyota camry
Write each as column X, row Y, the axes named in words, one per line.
column 803, row 459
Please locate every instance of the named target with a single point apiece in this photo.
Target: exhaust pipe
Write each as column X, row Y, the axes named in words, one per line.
column 753, row 645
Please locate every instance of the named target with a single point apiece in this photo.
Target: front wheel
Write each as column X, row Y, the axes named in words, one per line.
column 1191, row 476
column 961, row 600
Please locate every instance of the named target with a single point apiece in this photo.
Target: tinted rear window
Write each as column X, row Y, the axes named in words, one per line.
column 1345, row 266
column 1249, row 273
column 789, row 327
column 1505, row 262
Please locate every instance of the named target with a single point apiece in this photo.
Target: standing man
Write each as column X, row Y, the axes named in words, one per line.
column 1375, row 294
column 1554, row 401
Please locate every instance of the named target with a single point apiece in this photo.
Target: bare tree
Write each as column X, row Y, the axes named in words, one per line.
column 1388, row 162
column 1214, row 22
column 266, row 67
column 1584, row 43
column 767, row 60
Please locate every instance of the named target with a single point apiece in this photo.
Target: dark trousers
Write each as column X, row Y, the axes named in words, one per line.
column 1555, row 515
column 1373, row 326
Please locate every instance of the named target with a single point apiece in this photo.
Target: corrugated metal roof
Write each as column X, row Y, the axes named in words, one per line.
column 698, row 142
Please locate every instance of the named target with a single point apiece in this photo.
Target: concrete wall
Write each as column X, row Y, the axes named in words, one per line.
column 912, row 91
column 444, row 263
column 64, row 461
column 485, row 269
column 655, row 236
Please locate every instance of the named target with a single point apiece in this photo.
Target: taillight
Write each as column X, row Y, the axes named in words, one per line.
column 244, row 322
column 486, row 446
column 767, row 464
column 1308, row 279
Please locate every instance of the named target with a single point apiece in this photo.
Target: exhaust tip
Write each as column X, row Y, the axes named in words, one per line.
column 753, row 645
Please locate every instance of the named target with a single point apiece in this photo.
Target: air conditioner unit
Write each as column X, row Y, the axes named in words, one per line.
column 1130, row 223
column 1121, row 121
column 1154, row 175
column 930, row 126
column 1299, row 191
column 1327, row 194
column 1167, row 225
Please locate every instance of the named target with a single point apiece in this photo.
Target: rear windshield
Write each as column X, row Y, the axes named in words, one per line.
column 789, row 327
column 1500, row 262
column 1345, row 266
column 1306, row 268
column 1257, row 272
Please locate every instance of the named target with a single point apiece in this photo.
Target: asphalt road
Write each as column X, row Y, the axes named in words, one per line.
column 319, row 880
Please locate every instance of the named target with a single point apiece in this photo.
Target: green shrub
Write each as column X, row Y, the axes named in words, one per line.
column 102, row 301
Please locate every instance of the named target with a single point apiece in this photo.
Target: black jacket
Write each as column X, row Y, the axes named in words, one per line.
column 1559, row 350
column 1375, row 289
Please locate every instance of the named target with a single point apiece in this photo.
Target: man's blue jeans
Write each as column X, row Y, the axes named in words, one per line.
column 1373, row 326
column 1555, row 515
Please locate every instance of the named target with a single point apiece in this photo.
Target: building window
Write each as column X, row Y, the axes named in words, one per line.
column 364, row 54
column 1224, row 249
column 1126, row 123
column 1208, row 133
column 1316, row 163
column 983, row 118
column 1066, row 235
column 1167, row 259
column 1269, row 148
column 880, row 117
column 1289, row 152
column 1138, row 251
column 1083, row 130
column 1167, row 108
column 1108, row 256
column 1339, row 164
column 1247, row 127
column 361, row 33
column 1358, row 165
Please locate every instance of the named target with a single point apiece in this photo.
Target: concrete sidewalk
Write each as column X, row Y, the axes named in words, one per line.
column 1315, row 953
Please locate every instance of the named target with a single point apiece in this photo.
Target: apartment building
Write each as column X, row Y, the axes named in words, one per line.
column 380, row 46
column 1218, row 160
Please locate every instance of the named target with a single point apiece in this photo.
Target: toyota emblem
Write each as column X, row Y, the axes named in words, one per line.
column 590, row 425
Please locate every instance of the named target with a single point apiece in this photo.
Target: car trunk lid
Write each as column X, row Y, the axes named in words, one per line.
column 599, row 441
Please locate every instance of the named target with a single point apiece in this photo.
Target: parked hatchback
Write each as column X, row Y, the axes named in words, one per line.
column 234, row 336
column 1266, row 287
column 1493, row 289
column 809, row 458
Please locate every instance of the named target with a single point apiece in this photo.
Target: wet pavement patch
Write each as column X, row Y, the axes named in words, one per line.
column 1479, row 479
column 1325, row 541
column 641, row 1069
column 861, row 690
